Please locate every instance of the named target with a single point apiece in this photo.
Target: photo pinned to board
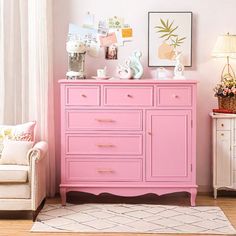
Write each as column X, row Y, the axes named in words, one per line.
column 111, row 52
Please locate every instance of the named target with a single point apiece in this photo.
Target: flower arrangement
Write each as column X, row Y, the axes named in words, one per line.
column 226, row 88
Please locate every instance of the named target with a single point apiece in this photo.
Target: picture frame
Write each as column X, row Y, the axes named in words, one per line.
column 169, row 34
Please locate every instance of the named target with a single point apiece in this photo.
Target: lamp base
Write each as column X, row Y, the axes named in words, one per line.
column 227, row 71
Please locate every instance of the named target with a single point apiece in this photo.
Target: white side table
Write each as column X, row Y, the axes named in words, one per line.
column 224, row 156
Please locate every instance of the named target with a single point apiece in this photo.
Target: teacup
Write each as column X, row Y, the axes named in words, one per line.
column 101, row 73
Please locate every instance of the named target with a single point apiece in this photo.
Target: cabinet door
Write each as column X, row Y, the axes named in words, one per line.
column 168, row 145
column 223, row 177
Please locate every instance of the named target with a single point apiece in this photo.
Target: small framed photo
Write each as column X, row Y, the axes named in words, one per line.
column 111, row 52
column 169, row 34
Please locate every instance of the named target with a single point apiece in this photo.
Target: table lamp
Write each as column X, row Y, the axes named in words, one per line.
column 225, row 47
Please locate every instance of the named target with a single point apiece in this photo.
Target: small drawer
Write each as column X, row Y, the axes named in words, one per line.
column 223, row 124
column 91, row 144
column 103, row 170
column 82, row 95
column 128, row 96
column 105, row 120
column 167, row 96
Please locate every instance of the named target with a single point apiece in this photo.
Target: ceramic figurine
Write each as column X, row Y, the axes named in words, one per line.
column 125, row 72
column 136, row 65
column 179, row 67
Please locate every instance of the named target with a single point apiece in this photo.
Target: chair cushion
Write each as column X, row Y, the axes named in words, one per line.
column 13, row 173
column 15, row 152
column 22, row 132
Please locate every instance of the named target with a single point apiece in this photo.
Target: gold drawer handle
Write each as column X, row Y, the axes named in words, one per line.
column 105, row 171
column 83, row 95
column 105, row 120
column 105, row 145
column 129, row 96
column 175, row 96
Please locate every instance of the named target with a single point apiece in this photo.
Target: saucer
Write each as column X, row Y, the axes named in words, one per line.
column 104, row 77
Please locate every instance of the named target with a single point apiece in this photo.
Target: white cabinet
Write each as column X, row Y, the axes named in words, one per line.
column 224, row 158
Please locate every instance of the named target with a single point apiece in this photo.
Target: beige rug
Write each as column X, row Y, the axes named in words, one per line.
column 132, row 218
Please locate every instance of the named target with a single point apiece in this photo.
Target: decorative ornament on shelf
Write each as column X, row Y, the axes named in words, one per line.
column 76, row 59
column 179, row 67
column 135, row 64
column 125, row 72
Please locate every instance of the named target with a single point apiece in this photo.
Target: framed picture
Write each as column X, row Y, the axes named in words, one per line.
column 169, row 34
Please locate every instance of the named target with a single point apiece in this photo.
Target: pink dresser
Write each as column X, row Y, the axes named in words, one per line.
column 129, row 137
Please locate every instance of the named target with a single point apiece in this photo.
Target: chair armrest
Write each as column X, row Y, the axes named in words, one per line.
column 38, row 151
column 37, row 160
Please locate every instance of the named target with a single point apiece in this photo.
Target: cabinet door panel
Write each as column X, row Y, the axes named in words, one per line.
column 223, row 159
column 169, row 145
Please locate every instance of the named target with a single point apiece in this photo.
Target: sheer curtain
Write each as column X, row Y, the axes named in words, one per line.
column 26, row 77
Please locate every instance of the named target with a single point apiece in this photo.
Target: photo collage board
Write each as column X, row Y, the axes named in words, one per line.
column 109, row 34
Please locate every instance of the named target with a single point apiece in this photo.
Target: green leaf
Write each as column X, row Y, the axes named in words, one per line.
column 171, row 25
column 163, row 31
column 182, row 38
column 163, row 23
column 174, row 29
column 167, row 23
column 159, row 27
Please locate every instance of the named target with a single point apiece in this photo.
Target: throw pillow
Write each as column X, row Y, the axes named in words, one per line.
column 15, row 152
column 22, row 132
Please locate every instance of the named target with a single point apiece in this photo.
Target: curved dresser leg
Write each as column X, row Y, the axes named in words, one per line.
column 63, row 196
column 193, row 193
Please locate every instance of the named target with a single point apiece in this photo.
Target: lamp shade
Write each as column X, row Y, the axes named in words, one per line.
column 225, row 46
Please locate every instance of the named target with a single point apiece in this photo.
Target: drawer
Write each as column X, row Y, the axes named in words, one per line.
column 104, row 120
column 128, row 96
column 103, row 170
column 82, row 95
column 174, row 96
column 223, row 124
column 91, row 144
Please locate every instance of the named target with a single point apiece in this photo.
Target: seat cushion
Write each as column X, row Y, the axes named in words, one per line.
column 14, row 191
column 13, row 173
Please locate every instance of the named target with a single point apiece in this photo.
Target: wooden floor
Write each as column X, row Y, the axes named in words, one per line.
column 19, row 223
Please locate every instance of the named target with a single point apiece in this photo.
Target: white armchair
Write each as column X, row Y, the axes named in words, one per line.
column 23, row 187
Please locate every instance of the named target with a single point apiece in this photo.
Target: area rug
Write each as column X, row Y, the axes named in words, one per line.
column 132, row 218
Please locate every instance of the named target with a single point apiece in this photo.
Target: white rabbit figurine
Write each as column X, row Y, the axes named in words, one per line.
column 179, row 67
column 125, row 72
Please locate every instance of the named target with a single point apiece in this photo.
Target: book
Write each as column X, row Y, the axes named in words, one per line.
column 220, row 110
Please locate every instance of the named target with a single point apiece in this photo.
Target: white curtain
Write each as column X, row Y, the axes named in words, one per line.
column 26, row 77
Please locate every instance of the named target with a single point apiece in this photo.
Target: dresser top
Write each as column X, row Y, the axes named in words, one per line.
column 215, row 115
column 132, row 81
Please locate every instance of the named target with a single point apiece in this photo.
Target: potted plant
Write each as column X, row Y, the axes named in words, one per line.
column 226, row 93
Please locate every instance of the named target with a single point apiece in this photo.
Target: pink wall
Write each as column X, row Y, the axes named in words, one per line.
column 210, row 18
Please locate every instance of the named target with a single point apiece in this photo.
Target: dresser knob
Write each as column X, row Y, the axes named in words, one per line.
column 149, row 133
column 175, row 96
column 222, row 134
column 129, row 96
column 222, row 125
column 83, row 95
